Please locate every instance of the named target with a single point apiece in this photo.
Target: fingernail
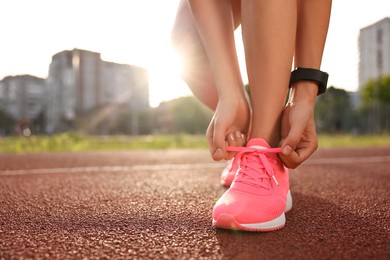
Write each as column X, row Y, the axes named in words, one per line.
column 287, row 149
column 238, row 134
column 218, row 153
column 231, row 137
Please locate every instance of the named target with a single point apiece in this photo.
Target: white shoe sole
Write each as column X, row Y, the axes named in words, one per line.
column 229, row 222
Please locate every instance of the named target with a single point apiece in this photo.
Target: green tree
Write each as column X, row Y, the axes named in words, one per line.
column 333, row 111
column 376, row 90
column 375, row 110
column 184, row 115
column 7, row 123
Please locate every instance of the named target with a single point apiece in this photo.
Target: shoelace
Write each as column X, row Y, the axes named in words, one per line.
column 254, row 166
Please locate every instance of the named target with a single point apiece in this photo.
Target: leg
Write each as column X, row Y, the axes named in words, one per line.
column 197, row 72
column 299, row 138
column 268, row 28
column 207, row 45
column 259, row 195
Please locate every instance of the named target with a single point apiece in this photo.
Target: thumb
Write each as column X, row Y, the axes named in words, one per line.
column 294, row 136
column 219, row 142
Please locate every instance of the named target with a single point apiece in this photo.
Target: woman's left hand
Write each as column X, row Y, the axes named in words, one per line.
column 298, row 130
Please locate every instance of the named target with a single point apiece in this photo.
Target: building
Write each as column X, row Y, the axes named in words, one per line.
column 83, row 88
column 374, row 49
column 22, row 97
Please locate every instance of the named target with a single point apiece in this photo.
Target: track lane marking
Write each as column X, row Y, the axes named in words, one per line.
column 140, row 167
column 188, row 166
column 346, row 160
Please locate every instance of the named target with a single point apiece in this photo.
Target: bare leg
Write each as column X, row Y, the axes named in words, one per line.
column 197, row 72
column 299, row 138
column 212, row 70
column 268, row 28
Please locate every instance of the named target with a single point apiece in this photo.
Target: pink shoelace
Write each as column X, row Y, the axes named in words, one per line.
column 254, row 166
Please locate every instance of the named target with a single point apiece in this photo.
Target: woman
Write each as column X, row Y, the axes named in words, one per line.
column 276, row 34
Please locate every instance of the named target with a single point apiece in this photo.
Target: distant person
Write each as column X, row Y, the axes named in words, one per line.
column 263, row 133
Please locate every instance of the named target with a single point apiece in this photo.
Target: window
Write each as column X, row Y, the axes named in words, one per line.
column 379, row 52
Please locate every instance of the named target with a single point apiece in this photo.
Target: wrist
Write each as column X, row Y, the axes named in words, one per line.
column 304, row 91
column 231, row 93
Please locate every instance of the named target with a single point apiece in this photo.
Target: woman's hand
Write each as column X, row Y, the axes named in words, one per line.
column 228, row 126
column 298, row 130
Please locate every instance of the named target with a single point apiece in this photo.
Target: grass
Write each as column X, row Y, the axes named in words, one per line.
column 69, row 142
column 353, row 141
column 74, row 142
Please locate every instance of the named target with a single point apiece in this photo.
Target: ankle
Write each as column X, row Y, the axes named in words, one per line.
column 273, row 141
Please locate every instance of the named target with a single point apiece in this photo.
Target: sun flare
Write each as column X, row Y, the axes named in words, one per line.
column 164, row 78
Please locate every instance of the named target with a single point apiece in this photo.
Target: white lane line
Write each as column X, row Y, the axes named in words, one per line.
column 346, row 160
column 189, row 166
column 140, row 167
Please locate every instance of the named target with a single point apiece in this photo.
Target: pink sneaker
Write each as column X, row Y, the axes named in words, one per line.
column 229, row 172
column 259, row 194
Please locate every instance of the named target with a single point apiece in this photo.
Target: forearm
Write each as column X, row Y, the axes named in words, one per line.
column 215, row 25
column 312, row 28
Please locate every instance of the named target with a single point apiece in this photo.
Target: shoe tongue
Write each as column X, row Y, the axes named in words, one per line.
column 258, row 142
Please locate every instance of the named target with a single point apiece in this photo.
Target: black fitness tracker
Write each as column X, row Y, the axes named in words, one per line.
column 311, row 75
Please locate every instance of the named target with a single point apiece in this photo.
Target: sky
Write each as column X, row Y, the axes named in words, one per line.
column 138, row 33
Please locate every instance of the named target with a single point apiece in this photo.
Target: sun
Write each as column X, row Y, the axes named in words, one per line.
column 165, row 82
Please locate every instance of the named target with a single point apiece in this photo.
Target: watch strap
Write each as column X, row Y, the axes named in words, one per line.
column 311, row 75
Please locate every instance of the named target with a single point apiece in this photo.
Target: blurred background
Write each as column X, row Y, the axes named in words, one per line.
column 108, row 68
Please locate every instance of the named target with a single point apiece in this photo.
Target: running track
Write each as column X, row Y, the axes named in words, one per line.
column 157, row 205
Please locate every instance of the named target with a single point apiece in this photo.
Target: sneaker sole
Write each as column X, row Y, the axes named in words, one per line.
column 228, row 221
column 289, row 202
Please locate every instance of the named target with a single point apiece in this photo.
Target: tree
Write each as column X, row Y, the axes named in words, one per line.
column 375, row 109
column 333, row 111
column 376, row 90
column 184, row 115
column 7, row 123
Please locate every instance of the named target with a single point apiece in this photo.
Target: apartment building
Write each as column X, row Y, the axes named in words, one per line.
column 22, row 96
column 81, row 83
column 374, row 50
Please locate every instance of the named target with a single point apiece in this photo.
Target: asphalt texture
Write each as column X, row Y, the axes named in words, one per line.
column 158, row 205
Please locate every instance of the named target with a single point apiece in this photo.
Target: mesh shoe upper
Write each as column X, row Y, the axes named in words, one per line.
column 259, row 191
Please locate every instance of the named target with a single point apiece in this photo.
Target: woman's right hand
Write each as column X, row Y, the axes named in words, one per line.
column 228, row 126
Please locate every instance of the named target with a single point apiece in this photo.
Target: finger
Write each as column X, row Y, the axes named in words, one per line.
column 232, row 141
column 286, row 159
column 308, row 147
column 304, row 153
column 210, row 138
column 291, row 160
column 241, row 138
column 301, row 153
column 219, row 142
column 293, row 138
